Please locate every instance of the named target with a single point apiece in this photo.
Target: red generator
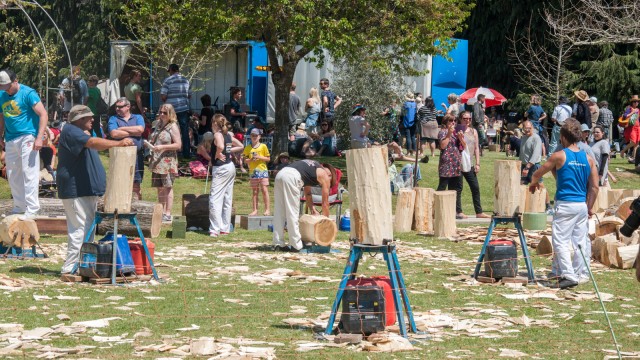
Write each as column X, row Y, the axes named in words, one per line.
column 143, row 267
column 385, row 283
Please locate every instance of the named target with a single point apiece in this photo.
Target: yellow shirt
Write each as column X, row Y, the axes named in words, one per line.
column 257, row 169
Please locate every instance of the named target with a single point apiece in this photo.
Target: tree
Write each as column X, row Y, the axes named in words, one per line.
column 599, row 22
column 392, row 32
column 541, row 65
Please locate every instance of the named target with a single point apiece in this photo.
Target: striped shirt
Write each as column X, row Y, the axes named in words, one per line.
column 426, row 114
column 176, row 87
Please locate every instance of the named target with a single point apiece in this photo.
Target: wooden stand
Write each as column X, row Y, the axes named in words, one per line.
column 423, row 211
column 122, row 167
column 506, row 200
column 404, row 210
column 444, row 211
column 317, row 229
column 369, row 194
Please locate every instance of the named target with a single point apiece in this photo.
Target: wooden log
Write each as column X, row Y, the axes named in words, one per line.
column 600, row 243
column 18, row 233
column 196, row 209
column 631, row 240
column 444, row 211
column 545, row 246
column 608, row 254
column 634, row 193
column 522, row 205
column 506, row 200
column 624, row 208
column 122, row 167
column 608, row 225
column 149, row 215
column 602, row 201
column 536, row 202
column 317, row 229
column 626, row 256
column 254, row 222
column 614, row 195
column 369, row 195
column 423, row 211
column 404, row 210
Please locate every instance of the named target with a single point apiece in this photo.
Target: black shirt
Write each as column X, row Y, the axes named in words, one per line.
column 208, row 112
column 308, row 171
column 228, row 143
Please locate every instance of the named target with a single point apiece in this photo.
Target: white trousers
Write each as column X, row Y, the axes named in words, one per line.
column 570, row 229
column 286, row 195
column 23, row 172
column 221, row 198
column 80, row 214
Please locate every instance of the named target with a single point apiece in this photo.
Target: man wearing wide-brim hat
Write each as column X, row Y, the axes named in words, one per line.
column 583, row 114
column 81, row 179
column 359, row 128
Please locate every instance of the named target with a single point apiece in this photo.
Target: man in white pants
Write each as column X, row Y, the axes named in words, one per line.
column 286, row 194
column 23, row 121
column 81, row 179
column 577, row 182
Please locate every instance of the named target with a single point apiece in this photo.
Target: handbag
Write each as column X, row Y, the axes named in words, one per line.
column 466, row 161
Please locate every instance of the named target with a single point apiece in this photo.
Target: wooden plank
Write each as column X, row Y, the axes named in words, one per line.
column 255, row 222
column 52, row 225
column 70, row 278
column 486, row 279
column 515, row 280
column 121, row 279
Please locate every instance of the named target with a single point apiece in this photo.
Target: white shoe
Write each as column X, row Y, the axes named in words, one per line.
column 583, row 279
column 27, row 216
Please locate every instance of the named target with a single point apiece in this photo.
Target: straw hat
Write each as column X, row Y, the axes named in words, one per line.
column 581, row 95
column 634, row 98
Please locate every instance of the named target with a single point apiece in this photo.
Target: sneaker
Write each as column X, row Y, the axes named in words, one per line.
column 213, row 234
column 583, row 279
column 27, row 216
column 167, row 218
column 562, row 283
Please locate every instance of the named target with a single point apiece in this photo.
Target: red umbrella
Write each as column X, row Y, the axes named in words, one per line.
column 492, row 97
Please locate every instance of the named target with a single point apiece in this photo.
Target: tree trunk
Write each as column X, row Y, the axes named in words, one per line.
column 317, row 229
column 404, row 210
column 506, row 201
column 122, row 167
column 282, row 78
column 423, row 213
column 444, row 212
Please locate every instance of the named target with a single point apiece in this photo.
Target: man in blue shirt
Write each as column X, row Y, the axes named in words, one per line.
column 176, row 91
column 330, row 101
column 23, row 121
column 127, row 125
column 81, row 178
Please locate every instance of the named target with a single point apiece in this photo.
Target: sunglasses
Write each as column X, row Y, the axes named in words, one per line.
column 466, row 118
column 162, row 112
column 121, row 106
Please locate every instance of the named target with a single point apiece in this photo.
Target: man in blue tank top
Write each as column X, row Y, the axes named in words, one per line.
column 577, row 189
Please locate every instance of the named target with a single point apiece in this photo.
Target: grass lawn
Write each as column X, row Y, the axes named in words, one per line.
column 213, row 289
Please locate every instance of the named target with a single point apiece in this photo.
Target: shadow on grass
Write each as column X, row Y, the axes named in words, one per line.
column 35, row 271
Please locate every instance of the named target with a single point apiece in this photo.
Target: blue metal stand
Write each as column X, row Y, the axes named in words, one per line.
column 397, row 281
column 134, row 221
column 13, row 252
column 523, row 243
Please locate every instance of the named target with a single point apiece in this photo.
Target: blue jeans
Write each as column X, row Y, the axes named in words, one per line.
column 183, row 120
column 555, row 139
column 410, row 135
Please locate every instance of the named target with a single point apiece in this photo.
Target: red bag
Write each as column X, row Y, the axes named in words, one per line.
column 198, row 171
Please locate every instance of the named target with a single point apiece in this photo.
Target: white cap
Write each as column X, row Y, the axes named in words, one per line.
column 593, row 99
column 5, row 78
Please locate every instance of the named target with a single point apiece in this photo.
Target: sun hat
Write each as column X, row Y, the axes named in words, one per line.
column 79, row 112
column 302, row 126
column 357, row 107
column 581, row 95
column 634, row 98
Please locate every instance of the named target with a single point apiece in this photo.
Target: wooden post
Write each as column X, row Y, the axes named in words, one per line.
column 317, row 229
column 404, row 210
column 423, row 211
column 444, row 211
column 506, row 200
column 122, row 167
column 369, row 195
column 602, row 201
column 615, row 195
column 536, row 202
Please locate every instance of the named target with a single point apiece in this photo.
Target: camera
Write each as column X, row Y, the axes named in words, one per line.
column 633, row 221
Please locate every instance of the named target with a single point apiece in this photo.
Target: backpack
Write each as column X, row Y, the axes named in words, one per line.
column 198, row 170
column 74, row 92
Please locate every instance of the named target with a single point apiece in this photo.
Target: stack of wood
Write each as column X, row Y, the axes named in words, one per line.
column 608, row 245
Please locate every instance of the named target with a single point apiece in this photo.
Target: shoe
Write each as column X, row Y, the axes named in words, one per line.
column 583, row 280
column 27, row 216
column 425, row 159
column 224, row 233
column 483, row 216
column 167, row 218
column 213, row 234
column 562, row 284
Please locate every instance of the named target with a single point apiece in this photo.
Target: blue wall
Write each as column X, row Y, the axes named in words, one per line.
column 449, row 76
column 257, row 87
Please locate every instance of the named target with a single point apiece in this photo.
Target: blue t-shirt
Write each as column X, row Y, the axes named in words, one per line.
column 80, row 171
column 534, row 112
column 409, row 114
column 573, row 177
column 19, row 117
column 135, row 120
column 331, row 99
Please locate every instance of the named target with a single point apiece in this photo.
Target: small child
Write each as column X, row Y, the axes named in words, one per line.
column 359, row 128
column 257, row 155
